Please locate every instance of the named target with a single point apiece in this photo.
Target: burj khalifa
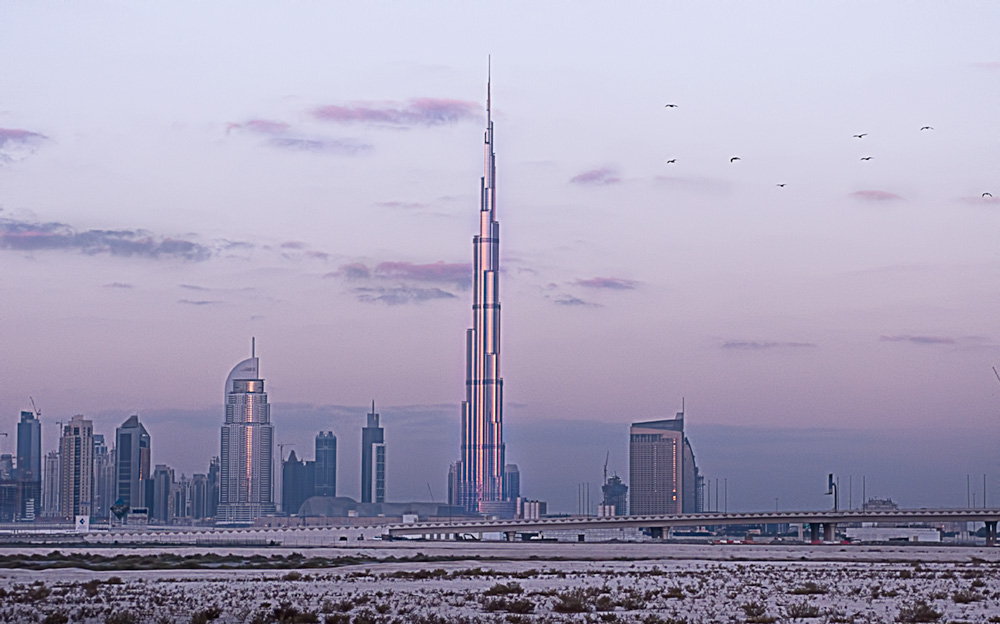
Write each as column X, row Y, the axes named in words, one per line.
column 480, row 482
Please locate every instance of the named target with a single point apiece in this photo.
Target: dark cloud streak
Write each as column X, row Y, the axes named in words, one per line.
column 26, row 236
column 416, row 112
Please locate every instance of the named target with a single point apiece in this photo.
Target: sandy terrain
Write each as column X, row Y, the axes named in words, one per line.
column 647, row 583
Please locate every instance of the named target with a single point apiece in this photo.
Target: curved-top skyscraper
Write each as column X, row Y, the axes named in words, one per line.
column 245, row 479
column 480, row 470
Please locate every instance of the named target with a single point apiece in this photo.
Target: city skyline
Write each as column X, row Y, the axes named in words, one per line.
column 233, row 183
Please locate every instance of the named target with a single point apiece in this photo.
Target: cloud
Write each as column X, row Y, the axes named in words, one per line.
column 118, row 285
column 571, row 301
column 416, row 112
column 293, row 245
column 611, row 283
column 197, row 302
column 754, row 345
column 920, row 340
column 259, row 126
column 401, row 205
column 596, row 177
column 345, row 147
column 16, row 144
column 26, row 236
column 875, row 195
column 400, row 295
column 352, row 271
column 990, row 65
column 440, row 272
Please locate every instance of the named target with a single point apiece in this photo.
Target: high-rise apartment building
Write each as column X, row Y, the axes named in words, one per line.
column 480, row 479
column 163, row 509
column 372, row 460
column 511, row 482
column 663, row 476
column 51, row 482
column 199, row 496
column 104, row 477
column 326, row 464
column 29, row 466
column 246, row 484
column 76, row 448
column 212, row 502
column 133, row 469
column 298, row 482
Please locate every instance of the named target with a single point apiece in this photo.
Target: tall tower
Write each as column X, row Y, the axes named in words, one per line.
column 76, row 446
column 663, row 475
column 29, row 465
column 372, row 461
column 480, row 470
column 133, row 472
column 245, row 480
column 326, row 464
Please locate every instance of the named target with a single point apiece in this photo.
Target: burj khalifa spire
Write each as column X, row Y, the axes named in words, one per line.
column 480, row 483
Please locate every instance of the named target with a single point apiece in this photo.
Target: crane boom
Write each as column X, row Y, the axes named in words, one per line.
column 996, row 373
column 38, row 413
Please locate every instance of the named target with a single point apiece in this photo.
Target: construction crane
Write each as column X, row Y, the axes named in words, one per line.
column 996, row 373
column 38, row 412
column 606, row 458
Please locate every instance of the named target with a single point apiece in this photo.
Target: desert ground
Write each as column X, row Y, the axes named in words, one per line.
column 431, row 582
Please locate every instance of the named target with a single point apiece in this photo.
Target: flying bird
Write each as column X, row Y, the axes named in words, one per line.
column 866, row 158
column 987, row 194
column 670, row 106
column 782, row 185
column 734, row 159
column 927, row 128
column 672, row 160
column 861, row 136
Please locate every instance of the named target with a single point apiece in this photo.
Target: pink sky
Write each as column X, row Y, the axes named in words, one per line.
column 163, row 198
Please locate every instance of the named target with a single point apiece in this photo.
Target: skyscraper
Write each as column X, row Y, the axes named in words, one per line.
column 199, row 496
column 76, row 447
column 511, row 482
column 326, row 464
column 246, row 487
column 133, row 470
column 104, row 477
column 372, row 460
column 51, row 485
column 663, row 476
column 29, row 465
column 298, row 482
column 480, row 478
column 214, row 487
column 163, row 510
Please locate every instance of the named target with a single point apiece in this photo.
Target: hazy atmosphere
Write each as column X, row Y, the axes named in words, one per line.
column 802, row 246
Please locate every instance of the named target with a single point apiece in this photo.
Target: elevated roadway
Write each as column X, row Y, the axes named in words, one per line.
column 824, row 521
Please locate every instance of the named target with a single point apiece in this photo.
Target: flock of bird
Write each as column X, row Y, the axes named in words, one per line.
column 856, row 136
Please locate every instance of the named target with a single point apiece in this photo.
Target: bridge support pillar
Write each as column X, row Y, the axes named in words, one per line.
column 991, row 533
column 510, row 536
column 829, row 531
column 813, row 532
column 656, row 532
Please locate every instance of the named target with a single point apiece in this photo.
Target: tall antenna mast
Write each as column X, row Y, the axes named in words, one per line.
column 253, row 346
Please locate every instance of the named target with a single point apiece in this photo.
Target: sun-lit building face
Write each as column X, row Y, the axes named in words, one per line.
column 246, row 483
column 480, row 479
